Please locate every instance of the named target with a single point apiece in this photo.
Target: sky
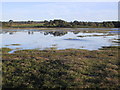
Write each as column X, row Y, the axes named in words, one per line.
column 60, row 0
column 68, row 11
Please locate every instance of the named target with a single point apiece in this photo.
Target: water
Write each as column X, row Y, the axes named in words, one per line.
column 24, row 39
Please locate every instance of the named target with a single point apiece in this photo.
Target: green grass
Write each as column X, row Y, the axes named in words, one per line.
column 95, row 35
column 70, row 68
column 26, row 25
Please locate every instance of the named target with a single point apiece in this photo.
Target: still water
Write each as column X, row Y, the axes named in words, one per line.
column 20, row 40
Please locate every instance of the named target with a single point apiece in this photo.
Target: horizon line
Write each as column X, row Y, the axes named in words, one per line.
column 56, row 19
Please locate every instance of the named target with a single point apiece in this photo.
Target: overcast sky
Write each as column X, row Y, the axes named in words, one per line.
column 69, row 11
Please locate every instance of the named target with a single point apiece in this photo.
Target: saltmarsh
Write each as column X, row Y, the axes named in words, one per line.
column 70, row 68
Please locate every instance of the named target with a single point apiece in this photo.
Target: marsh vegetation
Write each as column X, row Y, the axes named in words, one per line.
column 70, row 68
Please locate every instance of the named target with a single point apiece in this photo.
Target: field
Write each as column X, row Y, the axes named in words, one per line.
column 70, row 68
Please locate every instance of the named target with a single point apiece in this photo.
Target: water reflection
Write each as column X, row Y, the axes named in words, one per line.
column 11, row 33
column 30, row 32
column 56, row 33
column 56, row 39
column 76, row 32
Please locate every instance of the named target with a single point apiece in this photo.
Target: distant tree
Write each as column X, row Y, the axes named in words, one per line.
column 45, row 21
column 30, row 22
column 10, row 22
column 76, row 22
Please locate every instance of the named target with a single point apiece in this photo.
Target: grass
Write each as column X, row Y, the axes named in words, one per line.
column 5, row 50
column 70, row 68
column 71, row 38
column 26, row 25
column 51, row 48
column 59, row 29
column 116, row 41
column 95, row 35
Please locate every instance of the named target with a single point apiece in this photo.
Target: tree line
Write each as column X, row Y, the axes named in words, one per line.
column 62, row 24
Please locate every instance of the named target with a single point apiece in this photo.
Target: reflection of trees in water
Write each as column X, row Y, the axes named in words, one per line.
column 56, row 33
column 30, row 32
column 5, row 32
column 76, row 32
column 11, row 33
